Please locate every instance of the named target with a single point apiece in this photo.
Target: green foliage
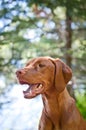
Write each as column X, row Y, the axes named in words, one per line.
column 76, row 8
column 27, row 32
column 81, row 103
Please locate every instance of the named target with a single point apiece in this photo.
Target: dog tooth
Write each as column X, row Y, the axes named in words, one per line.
column 30, row 92
column 40, row 85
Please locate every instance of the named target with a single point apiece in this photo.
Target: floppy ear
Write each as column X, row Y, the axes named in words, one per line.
column 63, row 75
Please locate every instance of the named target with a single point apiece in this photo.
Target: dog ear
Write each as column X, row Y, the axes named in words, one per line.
column 63, row 75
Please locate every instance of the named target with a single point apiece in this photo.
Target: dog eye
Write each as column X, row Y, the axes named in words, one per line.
column 41, row 65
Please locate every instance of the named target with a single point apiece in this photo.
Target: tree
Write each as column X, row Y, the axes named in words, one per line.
column 55, row 27
column 75, row 10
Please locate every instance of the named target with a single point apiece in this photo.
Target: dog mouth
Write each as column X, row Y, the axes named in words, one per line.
column 32, row 90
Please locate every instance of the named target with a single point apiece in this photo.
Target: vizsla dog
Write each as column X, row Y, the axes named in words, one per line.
column 49, row 77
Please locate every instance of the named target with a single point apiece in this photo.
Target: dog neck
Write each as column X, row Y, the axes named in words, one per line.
column 54, row 105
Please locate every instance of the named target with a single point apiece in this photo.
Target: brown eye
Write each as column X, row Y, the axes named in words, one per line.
column 41, row 65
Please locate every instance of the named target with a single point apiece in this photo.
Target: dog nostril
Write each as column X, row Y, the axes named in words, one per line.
column 18, row 72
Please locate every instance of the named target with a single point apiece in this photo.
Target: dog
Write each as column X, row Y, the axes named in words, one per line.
column 49, row 77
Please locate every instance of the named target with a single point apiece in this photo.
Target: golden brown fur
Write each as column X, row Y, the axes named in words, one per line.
column 49, row 77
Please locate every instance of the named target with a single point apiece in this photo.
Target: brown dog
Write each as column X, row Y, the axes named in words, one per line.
column 49, row 77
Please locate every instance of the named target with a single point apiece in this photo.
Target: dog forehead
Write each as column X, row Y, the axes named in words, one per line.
column 39, row 60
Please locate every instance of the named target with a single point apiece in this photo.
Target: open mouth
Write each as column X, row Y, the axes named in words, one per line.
column 33, row 90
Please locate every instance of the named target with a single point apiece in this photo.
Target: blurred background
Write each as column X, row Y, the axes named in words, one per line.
column 32, row 28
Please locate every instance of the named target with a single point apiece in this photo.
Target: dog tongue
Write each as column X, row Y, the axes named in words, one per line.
column 30, row 88
column 33, row 90
column 30, row 92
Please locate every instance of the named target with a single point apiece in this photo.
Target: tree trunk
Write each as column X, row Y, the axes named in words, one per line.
column 68, row 55
column 68, row 40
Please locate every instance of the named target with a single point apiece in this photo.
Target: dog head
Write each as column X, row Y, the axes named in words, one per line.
column 43, row 74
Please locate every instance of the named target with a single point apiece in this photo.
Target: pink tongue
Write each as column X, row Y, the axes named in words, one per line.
column 31, row 89
column 29, row 93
